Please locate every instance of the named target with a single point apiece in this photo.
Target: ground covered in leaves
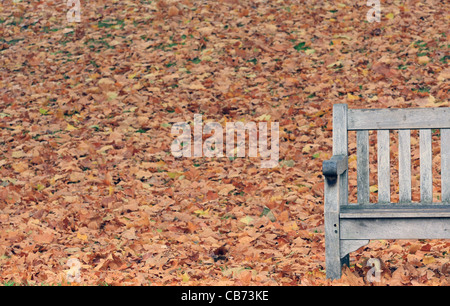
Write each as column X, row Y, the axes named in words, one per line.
column 85, row 130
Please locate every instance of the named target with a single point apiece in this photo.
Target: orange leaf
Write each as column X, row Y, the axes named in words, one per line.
column 173, row 11
column 43, row 238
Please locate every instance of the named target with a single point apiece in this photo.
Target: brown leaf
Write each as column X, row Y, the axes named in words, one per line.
column 43, row 238
column 426, row 248
column 446, row 269
column 414, row 248
column 173, row 11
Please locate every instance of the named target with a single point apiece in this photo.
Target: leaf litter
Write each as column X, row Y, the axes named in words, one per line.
column 86, row 110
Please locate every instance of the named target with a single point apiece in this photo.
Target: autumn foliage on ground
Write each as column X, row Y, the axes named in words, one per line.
column 85, row 130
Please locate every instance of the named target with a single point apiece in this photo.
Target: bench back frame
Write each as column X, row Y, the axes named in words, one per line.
column 350, row 226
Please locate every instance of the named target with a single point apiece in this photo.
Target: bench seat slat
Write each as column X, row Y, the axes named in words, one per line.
column 413, row 210
column 396, row 228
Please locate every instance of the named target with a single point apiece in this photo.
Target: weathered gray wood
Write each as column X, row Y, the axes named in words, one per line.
column 348, row 246
column 331, row 214
column 426, row 180
column 340, row 145
column 445, row 164
column 395, row 228
column 340, row 131
column 384, row 169
column 362, row 166
column 410, row 210
column 349, row 226
column 404, row 165
column 395, row 119
column 336, row 194
column 335, row 166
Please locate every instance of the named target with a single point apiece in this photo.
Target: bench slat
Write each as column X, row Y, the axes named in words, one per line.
column 394, row 210
column 384, row 170
column 404, row 165
column 362, row 147
column 395, row 119
column 445, row 164
column 426, row 175
column 396, row 228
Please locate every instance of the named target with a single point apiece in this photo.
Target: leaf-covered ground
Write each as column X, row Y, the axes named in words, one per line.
column 85, row 130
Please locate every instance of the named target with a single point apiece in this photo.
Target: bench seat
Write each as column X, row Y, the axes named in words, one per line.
column 372, row 221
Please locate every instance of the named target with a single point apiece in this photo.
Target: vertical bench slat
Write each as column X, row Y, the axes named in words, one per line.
column 384, row 170
column 404, row 168
column 445, row 165
column 362, row 147
column 426, row 180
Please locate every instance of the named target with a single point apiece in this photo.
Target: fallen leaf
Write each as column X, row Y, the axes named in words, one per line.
column 44, row 238
column 82, row 237
column 246, row 220
column 423, row 60
column 428, row 260
column 227, row 189
column 173, row 11
column 70, row 127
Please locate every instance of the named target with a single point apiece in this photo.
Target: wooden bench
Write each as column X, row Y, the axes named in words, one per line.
column 351, row 226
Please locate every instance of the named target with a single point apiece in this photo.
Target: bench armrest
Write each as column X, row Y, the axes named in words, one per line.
column 335, row 166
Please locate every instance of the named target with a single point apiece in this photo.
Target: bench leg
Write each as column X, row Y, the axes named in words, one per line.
column 332, row 246
column 334, row 265
column 336, row 194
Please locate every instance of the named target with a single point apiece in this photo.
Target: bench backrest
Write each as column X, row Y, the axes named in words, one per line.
column 403, row 120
